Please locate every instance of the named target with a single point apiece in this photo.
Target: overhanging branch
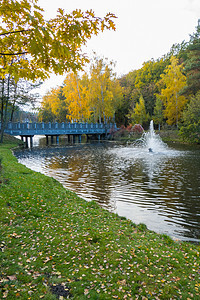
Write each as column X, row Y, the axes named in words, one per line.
column 11, row 54
column 17, row 31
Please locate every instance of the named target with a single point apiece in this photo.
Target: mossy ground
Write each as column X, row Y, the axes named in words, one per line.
column 54, row 245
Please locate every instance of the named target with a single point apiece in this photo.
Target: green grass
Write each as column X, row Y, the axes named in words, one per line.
column 54, row 245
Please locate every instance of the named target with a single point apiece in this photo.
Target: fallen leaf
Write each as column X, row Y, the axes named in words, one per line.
column 12, row 277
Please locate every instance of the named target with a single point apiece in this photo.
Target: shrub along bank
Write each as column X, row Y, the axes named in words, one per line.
column 56, row 245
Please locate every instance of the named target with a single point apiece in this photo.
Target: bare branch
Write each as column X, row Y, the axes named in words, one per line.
column 17, row 31
column 17, row 53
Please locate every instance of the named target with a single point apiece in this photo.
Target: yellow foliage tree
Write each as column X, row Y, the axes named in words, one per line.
column 174, row 81
column 105, row 91
column 35, row 46
column 52, row 106
column 139, row 115
column 87, row 98
column 76, row 97
column 32, row 47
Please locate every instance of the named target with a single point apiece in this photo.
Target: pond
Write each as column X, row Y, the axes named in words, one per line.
column 160, row 189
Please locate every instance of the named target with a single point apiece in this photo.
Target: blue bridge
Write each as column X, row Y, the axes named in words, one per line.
column 72, row 130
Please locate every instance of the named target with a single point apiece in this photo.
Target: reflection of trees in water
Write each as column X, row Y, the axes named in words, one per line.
column 171, row 183
column 166, row 185
column 87, row 173
column 179, row 186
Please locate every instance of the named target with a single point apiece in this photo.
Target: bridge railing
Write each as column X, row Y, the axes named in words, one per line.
column 63, row 125
column 57, row 128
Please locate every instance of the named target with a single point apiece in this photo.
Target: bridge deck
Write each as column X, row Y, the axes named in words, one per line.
column 31, row 129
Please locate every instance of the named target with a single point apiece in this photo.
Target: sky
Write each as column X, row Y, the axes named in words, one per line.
column 145, row 29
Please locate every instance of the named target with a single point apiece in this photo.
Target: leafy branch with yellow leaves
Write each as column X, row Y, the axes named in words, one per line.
column 32, row 47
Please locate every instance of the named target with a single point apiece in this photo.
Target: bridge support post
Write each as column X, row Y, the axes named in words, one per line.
column 26, row 141
column 74, row 138
column 47, row 140
column 51, row 139
column 22, row 138
column 99, row 137
column 68, row 138
column 31, row 141
column 57, row 139
column 79, row 138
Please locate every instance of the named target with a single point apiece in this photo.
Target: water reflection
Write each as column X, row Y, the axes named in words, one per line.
column 160, row 189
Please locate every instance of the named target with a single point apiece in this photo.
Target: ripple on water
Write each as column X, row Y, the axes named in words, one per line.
column 161, row 190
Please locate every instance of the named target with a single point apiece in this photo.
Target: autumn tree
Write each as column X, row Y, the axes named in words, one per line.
column 173, row 81
column 146, row 81
column 139, row 115
column 116, row 100
column 76, row 93
column 44, row 45
column 105, row 91
column 89, row 97
column 32, row 47
column 53, row 106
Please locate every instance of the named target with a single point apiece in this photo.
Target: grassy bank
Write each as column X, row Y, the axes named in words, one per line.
column 55, row 245
column 170, row 136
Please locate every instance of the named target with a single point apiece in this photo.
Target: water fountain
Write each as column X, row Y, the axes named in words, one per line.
column 151, row 141
column 159, row 188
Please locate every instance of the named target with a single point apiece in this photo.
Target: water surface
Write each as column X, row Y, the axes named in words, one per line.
column 160, row 189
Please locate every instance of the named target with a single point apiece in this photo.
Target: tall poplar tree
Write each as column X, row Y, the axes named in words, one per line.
column 174, row 81
column 76, row 97
column 105, row 90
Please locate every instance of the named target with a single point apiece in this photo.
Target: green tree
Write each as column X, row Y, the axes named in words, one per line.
column 158, row 112
column 190, row 131
column 178, row 50
column 192, row 65
column 130, row 97
column 192, row 112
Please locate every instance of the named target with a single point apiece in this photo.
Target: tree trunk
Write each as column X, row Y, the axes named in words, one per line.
column 4, row 112
column 176, row 111
column 13, row 104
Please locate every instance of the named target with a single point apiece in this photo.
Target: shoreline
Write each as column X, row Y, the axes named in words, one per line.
column 55, row 244
column 162, row 226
